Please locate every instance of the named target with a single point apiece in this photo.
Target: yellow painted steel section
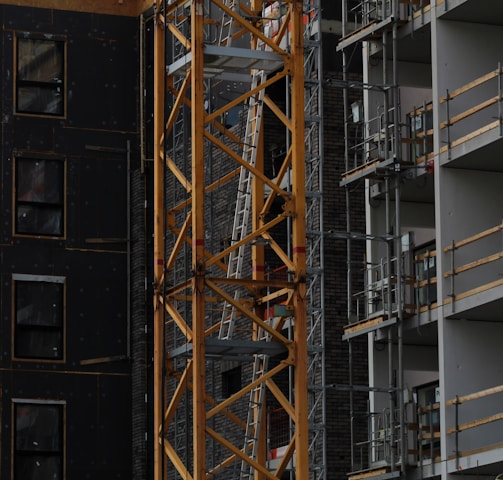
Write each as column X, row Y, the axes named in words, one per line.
column 299, row 242
column 159, row 94
column 130, row 8
column 205, row 289
column 198, row 236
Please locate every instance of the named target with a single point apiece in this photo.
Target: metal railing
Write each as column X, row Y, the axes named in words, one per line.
column 379, row 296
column 460, row 402
column 382, row 445
column 479, row 117
column 420, row 122
column 366, row 12
column 463, row 281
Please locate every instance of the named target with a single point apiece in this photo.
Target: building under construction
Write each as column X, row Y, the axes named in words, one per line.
column 191, row 334
column 238, row 239
column 430, row 126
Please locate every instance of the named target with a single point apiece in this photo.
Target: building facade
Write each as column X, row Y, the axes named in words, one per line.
column 430, row 124
column 69, row 138
column 76, row 244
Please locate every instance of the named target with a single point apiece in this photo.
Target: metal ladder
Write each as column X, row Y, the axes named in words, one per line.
column 227, row 24
column 255, row 407
column 243, row 201
column 236, row 258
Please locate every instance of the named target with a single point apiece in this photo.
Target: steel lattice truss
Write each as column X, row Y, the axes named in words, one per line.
column 246, row 295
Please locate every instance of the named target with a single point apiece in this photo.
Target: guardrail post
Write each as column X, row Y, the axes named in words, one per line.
column 425, row 142
column 452, row 294
column 448, row 123
column 499, row 100
column 432, row 431
column 457, row 432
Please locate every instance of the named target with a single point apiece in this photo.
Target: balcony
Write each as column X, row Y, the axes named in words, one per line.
column 476, row 432
column 374, row 456
column 471, row 127
column 475, row 282
column 471, row 11
column 378, row 305
column 374, row 151
column 473, row 433
column 369, row 18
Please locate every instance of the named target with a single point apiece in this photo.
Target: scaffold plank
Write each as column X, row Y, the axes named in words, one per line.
column 364, row 170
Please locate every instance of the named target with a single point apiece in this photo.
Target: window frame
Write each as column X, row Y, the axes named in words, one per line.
column 17, row 277
column 20, row 156
column 16, row 83
column 15, row 402
column 232, row 381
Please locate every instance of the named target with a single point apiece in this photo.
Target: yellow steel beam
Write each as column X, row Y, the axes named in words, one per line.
column 198, row 235
column 299, row 243
column 257, row 320
column 177, row 461
column 130, row 8
column 179, row 393
column 238, row 452
column 158, row 267
column 229, row 401
column 256, row 172
column 198, row 327
column 249, row 238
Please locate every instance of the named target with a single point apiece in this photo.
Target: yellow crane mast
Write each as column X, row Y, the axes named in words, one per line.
column 198, row 46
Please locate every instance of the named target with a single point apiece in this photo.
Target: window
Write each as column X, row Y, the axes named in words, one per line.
column 38, row 443
column 231, row 382
column 39, row 196
column 38, row 317
column 40, row 74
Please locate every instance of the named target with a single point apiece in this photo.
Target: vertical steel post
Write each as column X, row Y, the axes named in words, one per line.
column 159, row 92
column 448, row 123
column 198, row 224
column 299, row 241
column 499, row 100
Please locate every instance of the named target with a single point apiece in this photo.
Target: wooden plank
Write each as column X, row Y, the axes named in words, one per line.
column 474, row 291
column 425, row 9
column 470, row 111
column 468, row 453
column 476, row 133
column 474, row 238
column 94, row 361
column 415, row 427
column 474, row 396
column 362, row 168
column 411, row 141
column 111, row 7
column 368, row 474
column 427, row 133
column 474, row 264
column 425, row 308
column 472, row 135
column 475, row 423
column 419, row 110
column 469, row 86
column 363, row 325
column 428, row 408
column 428, row 254
column 423, row 283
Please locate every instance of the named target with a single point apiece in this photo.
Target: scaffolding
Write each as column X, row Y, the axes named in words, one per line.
column 376, row 156
column 237, row 347
column 418, row 133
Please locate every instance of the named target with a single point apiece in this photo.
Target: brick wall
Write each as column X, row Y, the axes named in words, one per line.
column 337, row 350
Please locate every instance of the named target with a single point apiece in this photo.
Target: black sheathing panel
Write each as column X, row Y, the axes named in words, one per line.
column 95, row 420
column 95, row 379
column 97, row 203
